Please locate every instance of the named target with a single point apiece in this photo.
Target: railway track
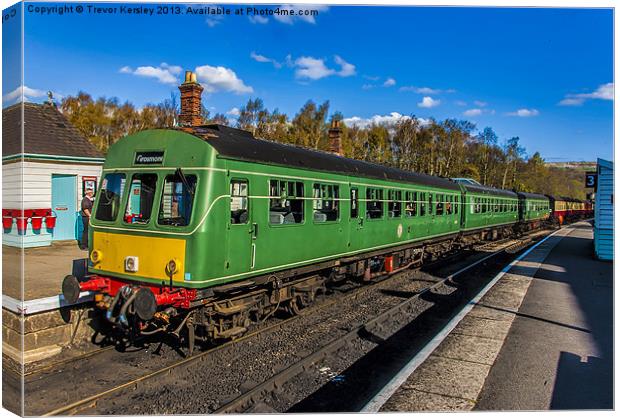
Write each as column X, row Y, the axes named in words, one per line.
column 252, row 396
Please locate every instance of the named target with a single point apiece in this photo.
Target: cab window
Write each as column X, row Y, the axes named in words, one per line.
column 177, row 200
column 109, row 199
column 239, row 202
column 141, row 197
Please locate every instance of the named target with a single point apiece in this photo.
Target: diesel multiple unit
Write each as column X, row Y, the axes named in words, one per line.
column 206, row 229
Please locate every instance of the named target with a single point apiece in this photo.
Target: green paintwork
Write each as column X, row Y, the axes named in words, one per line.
column 218, row 251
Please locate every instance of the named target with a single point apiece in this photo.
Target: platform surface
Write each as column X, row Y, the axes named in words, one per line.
column 44, row 269
column 558, row 353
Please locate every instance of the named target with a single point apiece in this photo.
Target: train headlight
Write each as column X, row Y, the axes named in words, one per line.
column 131, row 264
column 96, row 256
column 173, row 266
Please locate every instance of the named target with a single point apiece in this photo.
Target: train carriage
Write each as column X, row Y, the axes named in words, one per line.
column 534, row 209
column 209, row 227
column 489, row 210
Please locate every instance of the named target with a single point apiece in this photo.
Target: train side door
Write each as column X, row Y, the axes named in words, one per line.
column 356, row 220
column 242, row 231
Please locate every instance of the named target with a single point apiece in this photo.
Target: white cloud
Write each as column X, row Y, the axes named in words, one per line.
column 376, row 119
column 164, row 73
column 213, row 21
column 312, row 68
column 480, row 103
column 428, row 102
column 258, row 19
column 371, row 78
column 221, row 79
column 426, row 90
column 295, row 10
column 524, row 113
column 472, row 112
column 603, row 92
column 234, row 112
column 389, row 82
column 15, row 96
column 346, row 69
column 367, row 86
column 460, row 103
column 262, row 58
column 315, row 68
column 389, row 120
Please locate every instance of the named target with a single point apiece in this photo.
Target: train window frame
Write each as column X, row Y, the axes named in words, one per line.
column 411, row 204
column 422, row 204
column 192, row 181
column 248, row 205
column 103, row 194
column 395, row 204
column 449, row 207
column 354, row 197
column 439, row 204
column 324, row 195
column 374, row 197
column 430, row 204
column 284, row 197
column 140, row 221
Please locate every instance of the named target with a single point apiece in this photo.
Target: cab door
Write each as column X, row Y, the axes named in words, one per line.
column 242, row 231
column 356, row 220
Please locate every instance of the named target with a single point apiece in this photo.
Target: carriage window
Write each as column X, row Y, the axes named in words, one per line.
column 439, row 205
column 484, row 205
column 412, row 204
column 286, row 203
column 457, row 201
column 177, row 200
column 495, row 205
column 449, row 209
column 422, row 204
column 325, row 202
column 395, row 204
column 239, row 202
column 374, row 203
column 430, row 203
column 109, row 199
column 140, row 200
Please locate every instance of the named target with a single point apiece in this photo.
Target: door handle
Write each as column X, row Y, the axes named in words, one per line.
column 254, row 230
column 361, row 221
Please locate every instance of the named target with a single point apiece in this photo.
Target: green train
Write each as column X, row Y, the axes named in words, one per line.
column 206, row 229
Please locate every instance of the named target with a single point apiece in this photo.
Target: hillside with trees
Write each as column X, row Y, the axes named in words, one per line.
column 447, row 148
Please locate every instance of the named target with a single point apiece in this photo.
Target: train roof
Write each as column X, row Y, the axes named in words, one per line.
column 238, row 144
column 533, row 195
column 488, row 190
column 566, row 199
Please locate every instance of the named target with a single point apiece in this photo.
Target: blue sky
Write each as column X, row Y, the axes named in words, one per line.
column 545, row 75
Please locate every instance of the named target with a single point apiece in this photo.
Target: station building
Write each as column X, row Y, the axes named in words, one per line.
column 44, row 176
column 604, row 210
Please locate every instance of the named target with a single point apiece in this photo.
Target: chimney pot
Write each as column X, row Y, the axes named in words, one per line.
column 335, row 138
column 191, row 101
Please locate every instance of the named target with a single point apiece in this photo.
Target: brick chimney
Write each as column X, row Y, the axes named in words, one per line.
column 191, row 92
column 335, row 141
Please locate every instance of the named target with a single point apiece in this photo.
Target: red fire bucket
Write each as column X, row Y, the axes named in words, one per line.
column 50, row 221
column 22, row 222
column 7, row 222
column 36, row 222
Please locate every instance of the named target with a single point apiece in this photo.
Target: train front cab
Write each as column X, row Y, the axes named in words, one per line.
column 144, row 228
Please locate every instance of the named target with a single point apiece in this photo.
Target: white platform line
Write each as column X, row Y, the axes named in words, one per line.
column 33, row 306
column 375, row 404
